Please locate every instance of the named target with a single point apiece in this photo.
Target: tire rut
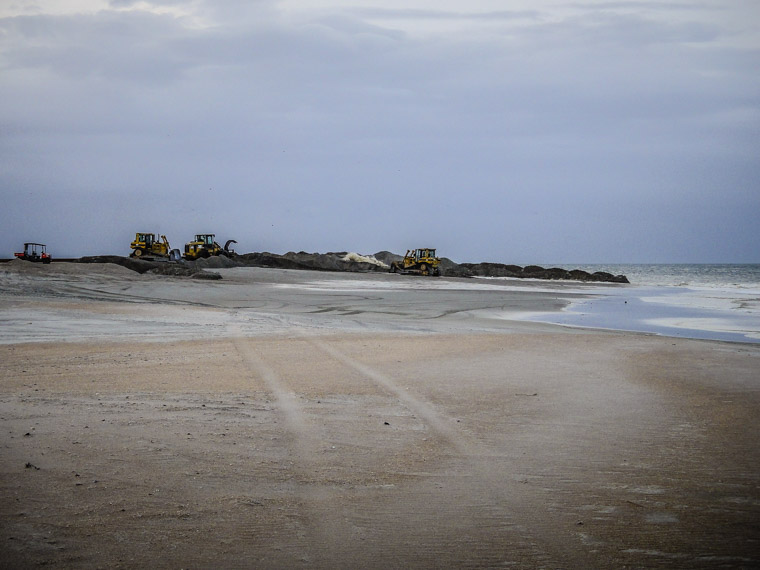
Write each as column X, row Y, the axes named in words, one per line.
column 320, row 545
column 502, row 500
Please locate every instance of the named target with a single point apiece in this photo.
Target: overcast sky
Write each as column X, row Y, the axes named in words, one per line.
column 515, row 131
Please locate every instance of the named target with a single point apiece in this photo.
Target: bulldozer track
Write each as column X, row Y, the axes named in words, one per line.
column 440, row 425
column 324, row 545
column 498, row 498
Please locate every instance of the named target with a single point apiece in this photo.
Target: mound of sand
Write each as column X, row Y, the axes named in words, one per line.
column 59, row 268
column 340, row 261
column 332, row 261
column 213, row 262
column 538, row 272
column 191, row 269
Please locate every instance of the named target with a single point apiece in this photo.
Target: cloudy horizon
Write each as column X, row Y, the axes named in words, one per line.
column 517, row 132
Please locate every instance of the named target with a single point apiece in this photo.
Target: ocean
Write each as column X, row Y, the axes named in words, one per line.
column 703, row 301
column 737, row 276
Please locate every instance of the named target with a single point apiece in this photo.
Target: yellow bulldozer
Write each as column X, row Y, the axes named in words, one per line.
column 204, row 246
column 421, row 261
column 151, row 248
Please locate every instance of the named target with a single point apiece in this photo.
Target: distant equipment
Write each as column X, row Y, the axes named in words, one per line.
column 204, row 246
column 420, row 261
column 34, row 252
column 147, row 247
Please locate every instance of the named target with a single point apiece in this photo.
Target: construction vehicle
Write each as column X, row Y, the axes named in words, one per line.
column 147, row 247
column 34, row 252
column 204, row 246
column 420, row 261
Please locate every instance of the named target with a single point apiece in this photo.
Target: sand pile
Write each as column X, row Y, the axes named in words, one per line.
column 332, row 261
column 138, row 265
column 538, row 272
column 181, row 269
column 213, row 262
column 345, row 261
column 59, row 268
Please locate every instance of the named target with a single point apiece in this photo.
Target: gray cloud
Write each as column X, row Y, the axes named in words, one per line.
column 601, row 136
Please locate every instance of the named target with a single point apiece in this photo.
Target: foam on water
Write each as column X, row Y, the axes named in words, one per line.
column 723, row 299
column 721, row 326
column 717, row 314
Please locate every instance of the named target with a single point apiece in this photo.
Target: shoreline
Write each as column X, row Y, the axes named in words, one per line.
column 664, row 311
column 281, row 298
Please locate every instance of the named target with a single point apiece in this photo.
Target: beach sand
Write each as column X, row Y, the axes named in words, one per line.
column 289, row 419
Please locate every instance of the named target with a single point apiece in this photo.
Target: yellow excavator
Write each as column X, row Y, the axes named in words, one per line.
column 421, row 261
column 204, row 246
column 151, row 248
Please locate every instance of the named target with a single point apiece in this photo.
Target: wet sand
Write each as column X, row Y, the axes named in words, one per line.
column 286, row 419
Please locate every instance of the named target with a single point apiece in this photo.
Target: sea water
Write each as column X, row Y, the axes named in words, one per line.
column 707, row 301
column 729, row 276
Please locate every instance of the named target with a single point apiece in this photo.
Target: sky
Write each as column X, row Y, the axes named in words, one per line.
column 525, row 132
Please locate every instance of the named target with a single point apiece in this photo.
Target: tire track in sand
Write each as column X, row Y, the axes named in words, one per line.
column 484, row 484
column 321, row 545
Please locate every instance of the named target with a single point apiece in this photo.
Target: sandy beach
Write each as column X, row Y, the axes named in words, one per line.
column 298, row 419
